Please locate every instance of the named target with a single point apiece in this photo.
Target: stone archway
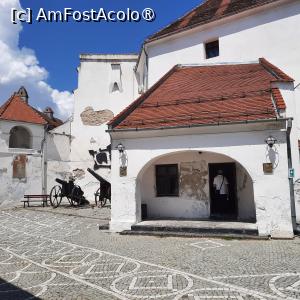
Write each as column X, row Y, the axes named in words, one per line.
column 193, row 200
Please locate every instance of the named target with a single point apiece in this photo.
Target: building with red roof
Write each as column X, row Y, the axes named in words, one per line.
column 24, row 150
column 214, row 132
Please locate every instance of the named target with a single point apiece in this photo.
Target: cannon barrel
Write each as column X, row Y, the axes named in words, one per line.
column 60, row 181
column 97, row 176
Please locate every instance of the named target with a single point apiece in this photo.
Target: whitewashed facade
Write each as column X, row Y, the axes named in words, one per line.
column 109, row 83
column 27, row 148
column 97, row 100
column 269, row 31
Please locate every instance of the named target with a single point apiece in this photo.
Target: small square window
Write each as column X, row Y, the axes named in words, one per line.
column 212, row 49
column 167, row 180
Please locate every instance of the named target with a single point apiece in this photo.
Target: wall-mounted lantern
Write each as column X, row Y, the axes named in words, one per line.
column 271, row 141
column 123, row 160
column 120, row 148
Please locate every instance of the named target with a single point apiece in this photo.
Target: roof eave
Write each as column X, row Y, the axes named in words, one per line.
column 111, row 130
column 210, row 22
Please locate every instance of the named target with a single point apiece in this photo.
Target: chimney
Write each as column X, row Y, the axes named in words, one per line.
column 49, row 112
column 22, row 93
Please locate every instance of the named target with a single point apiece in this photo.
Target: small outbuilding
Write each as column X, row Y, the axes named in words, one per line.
column 199, row 122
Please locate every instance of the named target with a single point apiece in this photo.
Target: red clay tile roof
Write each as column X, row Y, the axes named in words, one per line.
column 15, row 109
column 52, row 122
column 279, row 74
column 209, row 11
column 279, row 102
column 212, row 94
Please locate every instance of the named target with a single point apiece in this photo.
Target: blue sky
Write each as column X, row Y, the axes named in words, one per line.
column 57, row 46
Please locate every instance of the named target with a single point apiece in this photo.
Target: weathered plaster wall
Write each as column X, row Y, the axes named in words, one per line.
column 95, row 105
column 271, row 192
column 245, row 194
column 194, row 198
column 13, row 189
column 17, row 162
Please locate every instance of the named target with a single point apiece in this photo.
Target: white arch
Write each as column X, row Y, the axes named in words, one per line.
column 152, row 160
column 246, row 204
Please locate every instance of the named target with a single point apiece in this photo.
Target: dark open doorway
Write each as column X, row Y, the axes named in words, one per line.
column 223, row 206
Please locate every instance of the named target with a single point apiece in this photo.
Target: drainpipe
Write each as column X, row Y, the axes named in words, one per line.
column 44, row 161
column 290, row 166
column 147, row 68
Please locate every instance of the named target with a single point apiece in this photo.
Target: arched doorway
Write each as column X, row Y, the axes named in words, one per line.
column 180, row 185
column 19, row 137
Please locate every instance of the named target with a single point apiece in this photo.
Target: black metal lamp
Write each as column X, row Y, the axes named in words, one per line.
column 120, row 148
column 271, row 141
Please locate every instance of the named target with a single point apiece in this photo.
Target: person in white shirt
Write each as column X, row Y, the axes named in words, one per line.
column 221, row 183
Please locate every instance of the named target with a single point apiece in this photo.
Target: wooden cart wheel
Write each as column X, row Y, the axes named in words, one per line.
column 55, row 196
column 97, row 196
column 103, row 202
column 98, row 199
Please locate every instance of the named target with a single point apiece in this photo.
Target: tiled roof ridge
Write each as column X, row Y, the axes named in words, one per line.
column 35, row 111
column 179, row 19
column 16, row 97
column 161, row 33
column 56, row 122
column 4, row 106
column 279, row 101
column 275, row 71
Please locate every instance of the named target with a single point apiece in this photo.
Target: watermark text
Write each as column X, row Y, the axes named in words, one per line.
column 69, row 14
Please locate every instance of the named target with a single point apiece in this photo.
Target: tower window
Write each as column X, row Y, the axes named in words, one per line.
column 212, row 49
column 116, row 80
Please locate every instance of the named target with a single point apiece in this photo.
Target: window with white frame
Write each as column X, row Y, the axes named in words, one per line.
column 116, row 78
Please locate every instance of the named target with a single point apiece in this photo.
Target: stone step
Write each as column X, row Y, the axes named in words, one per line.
column 159, row 233
column 196, row 229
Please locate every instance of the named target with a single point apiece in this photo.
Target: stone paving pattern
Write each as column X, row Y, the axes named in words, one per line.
column 46, row 255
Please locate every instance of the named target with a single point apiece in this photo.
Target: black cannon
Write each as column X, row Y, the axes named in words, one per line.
column 71, row 191
column 103, row 193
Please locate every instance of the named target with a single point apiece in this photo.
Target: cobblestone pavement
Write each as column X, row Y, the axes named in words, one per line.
column 54, row 256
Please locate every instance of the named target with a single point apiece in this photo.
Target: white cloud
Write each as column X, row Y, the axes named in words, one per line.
column 20, row 66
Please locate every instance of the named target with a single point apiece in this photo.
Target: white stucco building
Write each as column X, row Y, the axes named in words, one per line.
column 191, row 124
column 233, row 34
column 203, row 95
column 24, row 132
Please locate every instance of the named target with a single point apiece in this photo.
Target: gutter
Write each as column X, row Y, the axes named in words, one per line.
column 147, row 68
column 290, row 166
column 199, row 125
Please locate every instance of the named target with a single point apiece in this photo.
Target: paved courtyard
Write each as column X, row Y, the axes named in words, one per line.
column 46, row 255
